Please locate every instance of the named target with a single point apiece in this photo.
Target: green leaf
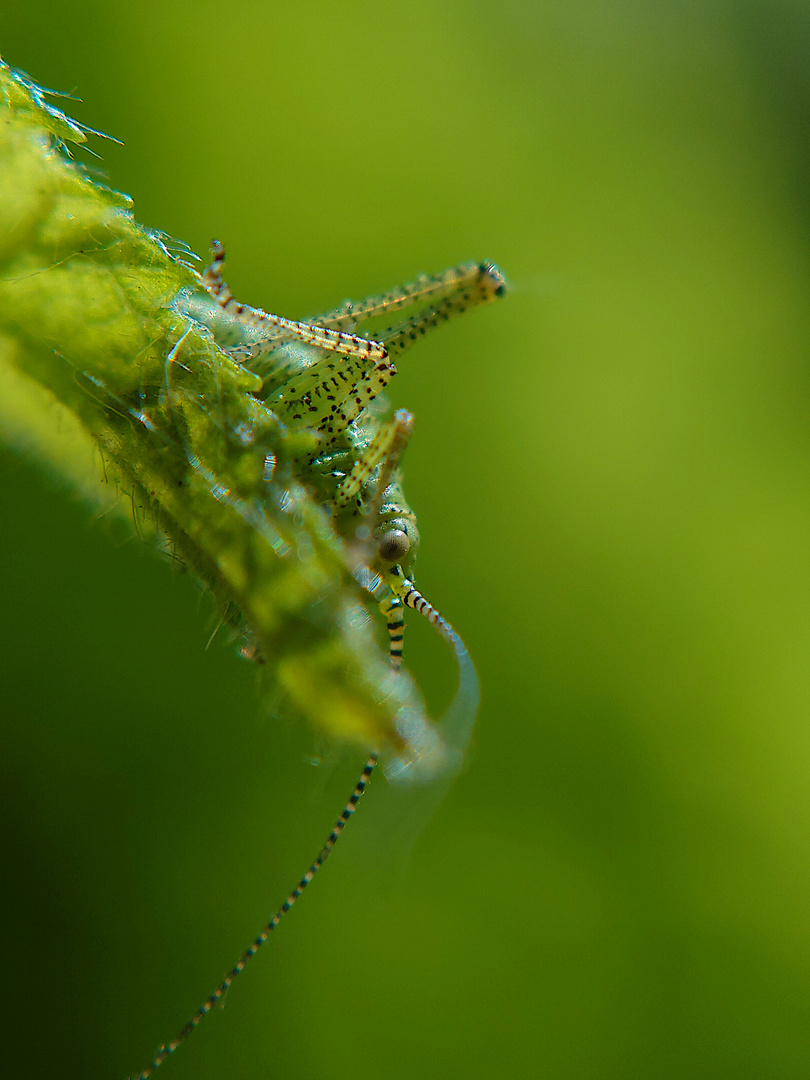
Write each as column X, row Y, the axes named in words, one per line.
column 98, row 365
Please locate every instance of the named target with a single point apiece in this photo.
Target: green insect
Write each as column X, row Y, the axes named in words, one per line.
column 324, row 377
column 257, row 449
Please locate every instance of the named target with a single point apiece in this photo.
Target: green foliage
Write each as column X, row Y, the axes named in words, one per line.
column 612, row 473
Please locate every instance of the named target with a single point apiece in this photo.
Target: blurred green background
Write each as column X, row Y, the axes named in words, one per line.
column 612, row 474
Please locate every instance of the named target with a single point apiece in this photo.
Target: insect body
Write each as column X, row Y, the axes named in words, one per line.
column 252, row 445
column 324, row 378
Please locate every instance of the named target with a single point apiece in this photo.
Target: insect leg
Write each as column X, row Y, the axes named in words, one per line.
column 425, row 289
column 478, row 284
column 385, row 449
column 275, row 329
column 331, row 392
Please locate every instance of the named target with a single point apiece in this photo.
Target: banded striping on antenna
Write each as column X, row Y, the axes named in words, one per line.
column 320, row 378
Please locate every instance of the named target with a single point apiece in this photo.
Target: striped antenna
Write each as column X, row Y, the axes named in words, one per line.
column 216, row 997
column 458, row 721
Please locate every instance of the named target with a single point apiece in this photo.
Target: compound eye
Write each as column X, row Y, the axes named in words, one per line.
column 394, row 546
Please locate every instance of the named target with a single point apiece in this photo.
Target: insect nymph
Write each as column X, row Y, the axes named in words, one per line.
column 323, row 378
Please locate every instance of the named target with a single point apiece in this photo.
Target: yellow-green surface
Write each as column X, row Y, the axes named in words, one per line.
column 97, row 361
column 612, row 476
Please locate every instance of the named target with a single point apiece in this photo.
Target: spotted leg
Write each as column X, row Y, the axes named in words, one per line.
column 443, row 297
column 275, row 329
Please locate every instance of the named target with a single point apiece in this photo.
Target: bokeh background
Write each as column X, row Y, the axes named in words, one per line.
column 612, row 473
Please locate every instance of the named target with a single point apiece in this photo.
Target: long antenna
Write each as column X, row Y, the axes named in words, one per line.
column 253, row 948
column 457, row 722
column 405, row 595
